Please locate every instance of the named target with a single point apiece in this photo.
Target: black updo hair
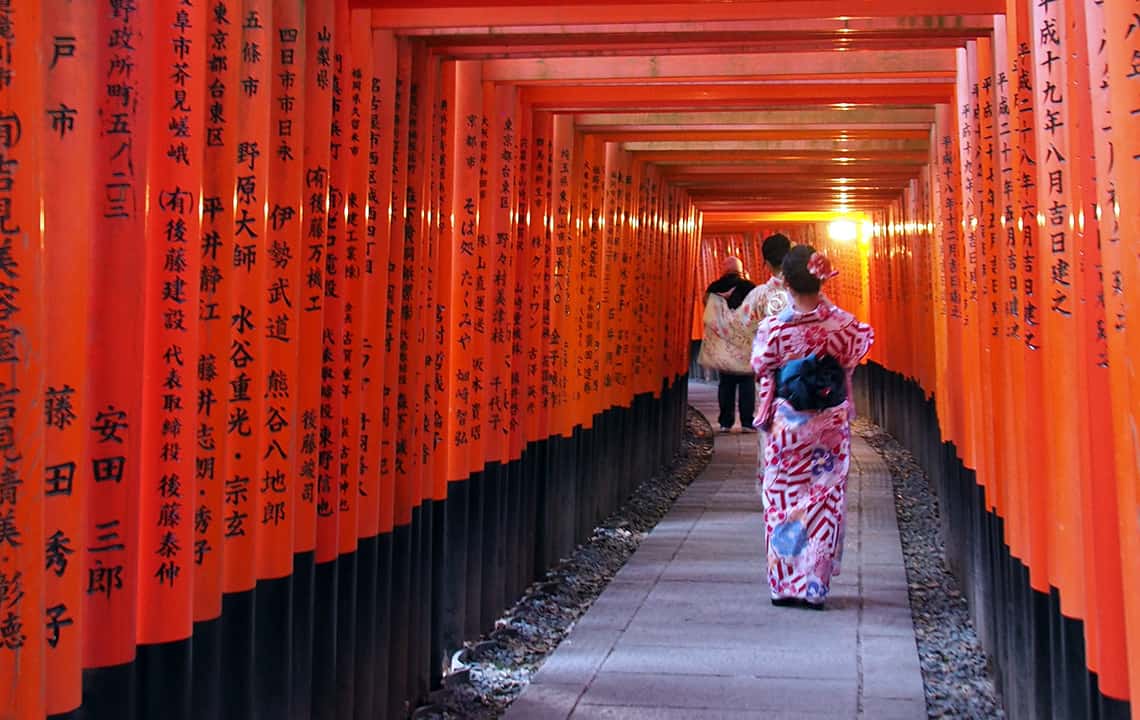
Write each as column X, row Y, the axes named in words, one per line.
column 775, row 247
column 795, row 269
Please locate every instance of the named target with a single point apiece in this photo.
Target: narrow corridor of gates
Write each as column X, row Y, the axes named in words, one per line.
column 685, row 629
column 327, row 325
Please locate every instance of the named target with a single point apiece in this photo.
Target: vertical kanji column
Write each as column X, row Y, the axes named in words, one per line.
column 279, row 282
column 366, row 352
column 329, row 491
column 539, row 275
column 969, row 148
column 1007, row 258
column 1031, row 295
column 465, row 139
column 318, row 116
column 564, row 285
column 1106, row 652
column 466, row 331
column 22, row 621
column 411, row 463
column 174, row 180
column 316, row 104
column 988, row 159
column 535, row 273
column 215, row 280
column 1055, row 275
column 648, row 229
column 1122, row 273
column 501, row 191
column 593, row 271
column 244, row 363
column 428, row 285
column 282, row 284
column 114, row 421
column 581, row 338
column 333, row 501
column 391, row 487
column 355, row 136
column 69, row 130
column 376, row 508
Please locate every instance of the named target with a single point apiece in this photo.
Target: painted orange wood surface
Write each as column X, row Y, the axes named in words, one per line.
column 339, row 257
column 173, row 221
column 68, row 39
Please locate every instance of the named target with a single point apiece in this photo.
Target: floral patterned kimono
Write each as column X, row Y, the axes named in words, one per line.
column 807, row 454
column 728, row 333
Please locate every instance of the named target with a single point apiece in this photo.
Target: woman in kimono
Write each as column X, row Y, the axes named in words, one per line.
column 806, row 415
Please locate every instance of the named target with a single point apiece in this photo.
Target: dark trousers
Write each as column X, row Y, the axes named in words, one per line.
column 727, row 396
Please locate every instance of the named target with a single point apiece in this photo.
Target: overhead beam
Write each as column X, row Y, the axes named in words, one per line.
column 756, row 95
column 671, row 68
column 793, row 176
column 665, row 158
column 800, row 198
column 816, row 25
column 835, row 146
column 812, row 115
column 819, row 171
column 742, row 135
column 619, row 47
column 429, row 14
column 722, row 218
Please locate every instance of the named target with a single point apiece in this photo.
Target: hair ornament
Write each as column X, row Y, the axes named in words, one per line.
column 820, row 266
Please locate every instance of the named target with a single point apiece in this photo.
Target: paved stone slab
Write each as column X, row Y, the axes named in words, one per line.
column 890, row 669
column 579, row 656
column 734, row 659
column 616, row 606
column 632, row 712
column 838, row 698
column 543, row 701
column 649, row 627
column 887, row 709
column 702, row 570
column 685, row 629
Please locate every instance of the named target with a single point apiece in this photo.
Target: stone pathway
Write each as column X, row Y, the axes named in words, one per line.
column 685, row 629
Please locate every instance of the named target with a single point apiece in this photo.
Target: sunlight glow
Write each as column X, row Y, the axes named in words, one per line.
column 842, row 231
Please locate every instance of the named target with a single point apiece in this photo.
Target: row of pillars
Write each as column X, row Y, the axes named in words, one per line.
column 1002, row 287
column 1003, row 283
column 273, row 284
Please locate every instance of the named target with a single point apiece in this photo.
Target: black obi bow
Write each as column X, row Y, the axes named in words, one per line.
column 816, row 382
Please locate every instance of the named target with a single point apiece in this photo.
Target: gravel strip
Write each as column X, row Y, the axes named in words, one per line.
column 493, row 671
column 955, row 670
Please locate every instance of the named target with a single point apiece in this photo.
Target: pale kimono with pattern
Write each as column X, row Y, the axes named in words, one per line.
column 728, row 333
column 806, row 454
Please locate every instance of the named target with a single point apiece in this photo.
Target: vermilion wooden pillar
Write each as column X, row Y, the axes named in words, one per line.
column 969, row 149
column 68, row 46
column 1032, row 299
column 166, row 536
column 110, row 566
column 212, row 401
column 1007, row 261
column 1054, row 274
column 22, row 130
column 1122, row 43
column 989, row 320
column 319, row 26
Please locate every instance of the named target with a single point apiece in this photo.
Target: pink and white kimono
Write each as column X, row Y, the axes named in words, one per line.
column 808, row 453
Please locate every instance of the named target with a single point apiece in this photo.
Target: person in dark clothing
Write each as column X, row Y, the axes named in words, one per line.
column 734, row 287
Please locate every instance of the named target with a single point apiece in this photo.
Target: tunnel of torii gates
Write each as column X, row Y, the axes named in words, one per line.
column 325, row 327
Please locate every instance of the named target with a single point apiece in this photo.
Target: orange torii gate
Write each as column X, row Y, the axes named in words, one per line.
column 364, row 316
